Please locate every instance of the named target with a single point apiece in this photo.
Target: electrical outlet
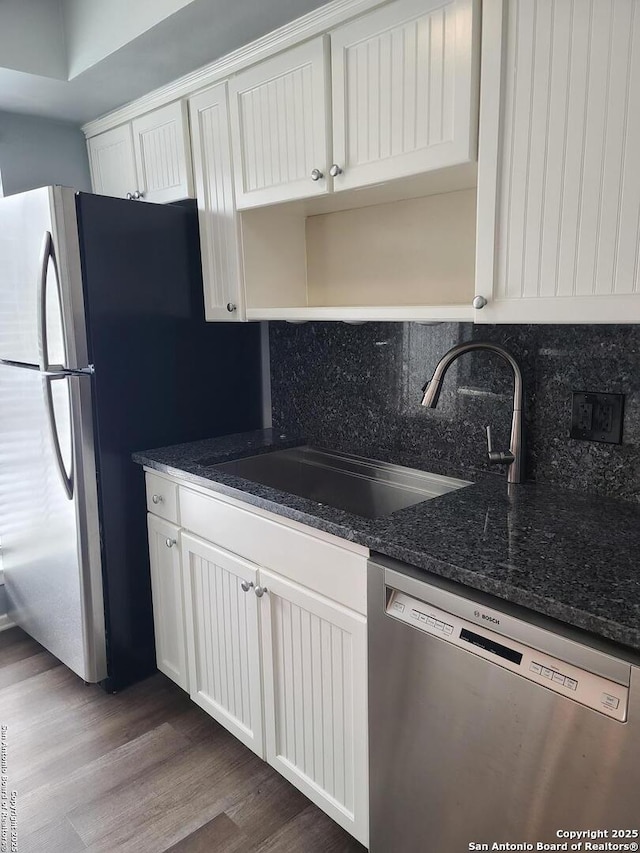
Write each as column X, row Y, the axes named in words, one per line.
column 585, row 417
column 597, row 417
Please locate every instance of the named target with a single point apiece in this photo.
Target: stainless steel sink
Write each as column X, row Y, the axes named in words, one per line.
column 352, row 483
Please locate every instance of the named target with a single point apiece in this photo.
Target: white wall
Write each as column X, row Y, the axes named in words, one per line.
column 95, row 28
column 35, row 152
column 32, row 37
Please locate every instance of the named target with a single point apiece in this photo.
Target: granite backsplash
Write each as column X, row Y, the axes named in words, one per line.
column 358, row 388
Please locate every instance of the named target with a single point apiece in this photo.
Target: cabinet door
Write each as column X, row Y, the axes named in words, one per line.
column 219, row 226
column 315, row 690
column 113, row 168
column 163, row 162
column 223, row 639
column 404, row 80
column 279, row 126
column 558, row 182
column 168, row 606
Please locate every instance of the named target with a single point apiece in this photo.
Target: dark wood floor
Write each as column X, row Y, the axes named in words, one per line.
column 144, row 771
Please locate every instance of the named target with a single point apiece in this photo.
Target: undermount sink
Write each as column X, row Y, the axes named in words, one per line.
column 352, row 483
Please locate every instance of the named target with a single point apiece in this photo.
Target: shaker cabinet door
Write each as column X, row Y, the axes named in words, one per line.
column 404, row 79
column 280, row 127
column 168, row 605
column 223, row 639
column 219, row 225
column 315, row 695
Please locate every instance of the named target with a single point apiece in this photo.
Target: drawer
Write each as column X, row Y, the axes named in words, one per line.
column 162, row 497
column 337, row 573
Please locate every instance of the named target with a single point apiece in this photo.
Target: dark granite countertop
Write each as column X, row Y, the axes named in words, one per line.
column 566, row 555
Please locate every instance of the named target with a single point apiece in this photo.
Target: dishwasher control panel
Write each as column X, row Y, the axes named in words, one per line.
column 601, row 694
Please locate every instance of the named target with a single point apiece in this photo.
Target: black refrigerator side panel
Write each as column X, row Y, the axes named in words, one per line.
column 162, row 376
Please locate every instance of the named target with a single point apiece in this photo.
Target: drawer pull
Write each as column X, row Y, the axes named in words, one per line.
column 157, row 499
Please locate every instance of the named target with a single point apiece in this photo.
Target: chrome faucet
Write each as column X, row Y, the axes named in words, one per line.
column 514, row 457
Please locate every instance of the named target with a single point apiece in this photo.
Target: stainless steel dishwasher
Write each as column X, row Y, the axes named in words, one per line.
column 491, row 724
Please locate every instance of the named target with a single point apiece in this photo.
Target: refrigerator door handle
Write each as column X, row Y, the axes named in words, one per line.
column 68, row 478
column 56, row 371
column 48, row 254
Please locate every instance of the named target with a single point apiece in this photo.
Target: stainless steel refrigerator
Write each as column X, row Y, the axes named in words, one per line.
column 103, row 351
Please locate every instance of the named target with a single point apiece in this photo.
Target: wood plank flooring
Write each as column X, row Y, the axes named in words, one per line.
column 143, row 771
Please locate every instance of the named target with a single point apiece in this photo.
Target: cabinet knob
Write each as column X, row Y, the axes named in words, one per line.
column 479, row 302
column 246, row 585
column 130, row 196
column 316, row 174
column 335, row 170
column 157, row 499
column 170, row 542
column 231, row 307
column 138, row 195
column 260, row 591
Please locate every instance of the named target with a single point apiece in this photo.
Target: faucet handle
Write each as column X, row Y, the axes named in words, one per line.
column 497, row 457
column 489, row 442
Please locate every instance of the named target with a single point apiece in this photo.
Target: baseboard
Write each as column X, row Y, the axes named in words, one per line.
column 5, row 622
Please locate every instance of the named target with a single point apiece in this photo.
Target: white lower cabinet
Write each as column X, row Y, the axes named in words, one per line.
column 223, row 638
column 278, row 657
column 315, row 698
column 168, row 609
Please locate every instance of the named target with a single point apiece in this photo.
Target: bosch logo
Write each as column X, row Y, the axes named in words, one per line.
column 486, row 617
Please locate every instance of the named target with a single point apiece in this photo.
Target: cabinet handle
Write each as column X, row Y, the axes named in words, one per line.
column 316, row 174
column 260, row 591
column 246, row 585
column 479, row 302
column 157, row 499
column 129, row 196
column 231, row 307
column 335, row 170
column 170, row 542
column 138, row 195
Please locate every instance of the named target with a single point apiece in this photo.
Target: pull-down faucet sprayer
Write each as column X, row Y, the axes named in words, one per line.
column 514, row 457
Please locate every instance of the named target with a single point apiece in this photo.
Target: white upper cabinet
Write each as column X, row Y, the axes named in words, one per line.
column 163, row 157
column 279, row 125
column 559, row 186
column 113, row 162
column 147, row 159
column 402, row 102
column 404, row 80
column 219, row 227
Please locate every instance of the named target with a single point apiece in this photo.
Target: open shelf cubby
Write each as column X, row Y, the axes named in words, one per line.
column 406, row 259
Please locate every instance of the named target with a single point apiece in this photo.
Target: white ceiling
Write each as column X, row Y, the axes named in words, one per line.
column 77, row 59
